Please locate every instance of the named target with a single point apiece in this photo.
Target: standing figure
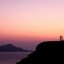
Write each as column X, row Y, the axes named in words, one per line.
column 61, row 38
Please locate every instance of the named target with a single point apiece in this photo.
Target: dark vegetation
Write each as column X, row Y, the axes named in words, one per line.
column 51, row 52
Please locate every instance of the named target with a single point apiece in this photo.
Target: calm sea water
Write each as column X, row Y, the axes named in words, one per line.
column 12, row 57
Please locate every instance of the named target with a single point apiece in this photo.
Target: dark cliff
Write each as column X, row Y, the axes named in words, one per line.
column 46, row 53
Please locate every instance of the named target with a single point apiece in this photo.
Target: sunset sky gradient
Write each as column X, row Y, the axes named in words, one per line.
column 31, row 21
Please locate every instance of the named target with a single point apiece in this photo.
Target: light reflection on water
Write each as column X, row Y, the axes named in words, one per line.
column 12, row 57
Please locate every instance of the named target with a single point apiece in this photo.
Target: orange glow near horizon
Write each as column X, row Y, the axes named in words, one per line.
column 40, row 20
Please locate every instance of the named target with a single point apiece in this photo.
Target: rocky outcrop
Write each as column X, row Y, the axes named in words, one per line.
column 46, row 53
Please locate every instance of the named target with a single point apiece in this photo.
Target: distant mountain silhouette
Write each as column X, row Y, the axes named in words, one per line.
column 51, row 52
column 11, row 48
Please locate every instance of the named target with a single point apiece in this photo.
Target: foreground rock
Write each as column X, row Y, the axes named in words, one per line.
column 46, row 53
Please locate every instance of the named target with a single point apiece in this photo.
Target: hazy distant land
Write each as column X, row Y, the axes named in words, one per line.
column 11, row 48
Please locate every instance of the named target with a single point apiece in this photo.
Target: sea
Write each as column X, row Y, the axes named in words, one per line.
column 12, row 57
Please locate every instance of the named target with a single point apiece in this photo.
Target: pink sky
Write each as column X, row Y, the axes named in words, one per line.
column 31, row 20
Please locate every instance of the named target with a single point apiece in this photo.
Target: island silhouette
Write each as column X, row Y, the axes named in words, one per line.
column 11, row 48
column 46, row 53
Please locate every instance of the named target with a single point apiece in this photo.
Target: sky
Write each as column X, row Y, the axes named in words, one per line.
column 26, row 23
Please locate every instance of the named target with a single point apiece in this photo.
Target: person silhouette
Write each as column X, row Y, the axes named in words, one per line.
column 61, row 38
